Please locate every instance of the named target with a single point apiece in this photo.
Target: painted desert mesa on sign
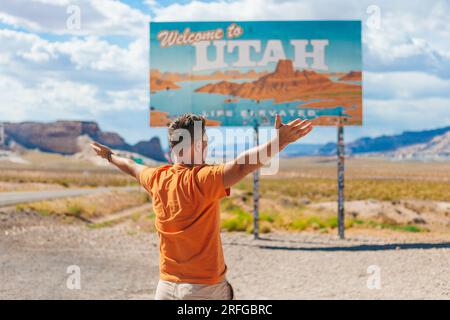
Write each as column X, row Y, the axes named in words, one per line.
column 296, row 69
column 286, row 84
column 171, row 77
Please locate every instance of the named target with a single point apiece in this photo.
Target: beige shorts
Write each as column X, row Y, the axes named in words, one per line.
column 167, row 290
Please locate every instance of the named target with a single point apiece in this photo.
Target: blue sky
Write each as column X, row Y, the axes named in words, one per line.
column 51, row 70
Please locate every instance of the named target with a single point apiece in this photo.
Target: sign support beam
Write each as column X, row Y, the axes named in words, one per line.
column 341, row 173
column 256, row 175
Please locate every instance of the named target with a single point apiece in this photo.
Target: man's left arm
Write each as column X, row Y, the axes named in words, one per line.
column 251, row 160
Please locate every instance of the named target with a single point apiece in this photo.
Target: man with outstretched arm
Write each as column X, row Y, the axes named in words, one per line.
column 185, row 198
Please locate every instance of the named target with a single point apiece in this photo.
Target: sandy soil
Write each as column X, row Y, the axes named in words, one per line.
column 433, row 215
column 117, row 263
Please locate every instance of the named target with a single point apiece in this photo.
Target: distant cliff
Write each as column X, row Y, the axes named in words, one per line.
column 151, row 149
column 436, row 148
column 62, row 137
column 420, row 141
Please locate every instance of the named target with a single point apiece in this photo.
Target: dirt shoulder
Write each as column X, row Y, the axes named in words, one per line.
column 118, row 263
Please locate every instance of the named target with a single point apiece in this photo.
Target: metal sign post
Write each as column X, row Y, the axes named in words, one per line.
column 340, row 167
column 2, row 134
column 256, row 188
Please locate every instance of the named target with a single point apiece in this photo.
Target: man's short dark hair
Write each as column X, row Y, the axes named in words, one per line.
column 187, row 122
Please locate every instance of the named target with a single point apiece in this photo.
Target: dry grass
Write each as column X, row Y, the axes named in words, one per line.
column 66, row 178
column 90, row 206
column 285, row 202
column 320, row 189
column 65, row 171
column 237, row 216
column 285, row 198
column 365, row 168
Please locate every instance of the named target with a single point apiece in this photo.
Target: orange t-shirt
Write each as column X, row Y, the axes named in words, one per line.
column 187, row 210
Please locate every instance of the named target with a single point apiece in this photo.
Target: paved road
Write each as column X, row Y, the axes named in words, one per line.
column 12, row 198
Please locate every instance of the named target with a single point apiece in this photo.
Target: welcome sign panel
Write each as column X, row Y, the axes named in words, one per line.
column 243, row 73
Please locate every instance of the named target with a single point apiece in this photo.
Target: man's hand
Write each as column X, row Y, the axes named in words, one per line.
column 102, row 151
column 291, row 132
column 126, row 165
column 237, row 169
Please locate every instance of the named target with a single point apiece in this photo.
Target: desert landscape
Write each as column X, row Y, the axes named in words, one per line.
column 60, row 206
column 397, row 217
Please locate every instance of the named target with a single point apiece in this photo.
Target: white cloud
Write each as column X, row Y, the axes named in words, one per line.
column 411, row 38
column 20, row 45
column 75, row 77
column 99, row 55
column 52, row 99
column 404, row 85
column 397, row 115
column 233, row 10
column 29, row 55
column 72, row 78
column 99, row 17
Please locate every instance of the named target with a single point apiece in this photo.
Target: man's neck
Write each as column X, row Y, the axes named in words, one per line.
column 190, row 165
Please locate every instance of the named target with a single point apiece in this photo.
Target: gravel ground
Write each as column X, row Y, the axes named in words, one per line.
column 115, row 263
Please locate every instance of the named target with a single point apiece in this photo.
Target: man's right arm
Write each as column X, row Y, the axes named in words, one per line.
column 255, row 158
column 125, row 165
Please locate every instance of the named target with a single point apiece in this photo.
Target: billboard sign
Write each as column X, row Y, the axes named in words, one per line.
column 244, row 72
